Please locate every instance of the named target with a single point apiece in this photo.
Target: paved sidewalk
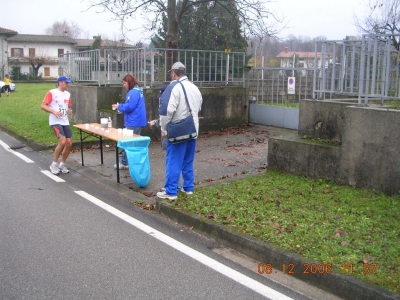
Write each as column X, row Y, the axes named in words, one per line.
column 219, row 157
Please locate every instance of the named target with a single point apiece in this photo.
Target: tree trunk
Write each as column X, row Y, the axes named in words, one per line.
column 172, row 34
column 35, row 70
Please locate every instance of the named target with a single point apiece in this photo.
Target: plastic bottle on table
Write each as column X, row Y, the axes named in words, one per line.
column 109, row 123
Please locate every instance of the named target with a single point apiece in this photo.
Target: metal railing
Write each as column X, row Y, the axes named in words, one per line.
column 270, row 85
column 108, row 66
column 81, row 66
column 366, row 68
column 363, row 69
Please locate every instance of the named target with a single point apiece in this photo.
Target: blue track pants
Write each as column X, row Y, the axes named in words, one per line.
column 179, row 158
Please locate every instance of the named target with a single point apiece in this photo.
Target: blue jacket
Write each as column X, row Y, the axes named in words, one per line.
column 134, row 108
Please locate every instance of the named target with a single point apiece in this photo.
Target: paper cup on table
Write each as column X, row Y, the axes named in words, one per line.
column 119, row 130
column 130, row 132
column 124, row 131
column 107, row 131
column 91, row 126
column 87, row 126
column 96, row 128
column 104, row 122
column 102, row 129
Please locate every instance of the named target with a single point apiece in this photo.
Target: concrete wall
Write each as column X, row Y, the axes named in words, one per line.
column 283, row 117
column 371, row 145
column 366, row 158
column 322, row 119
column 222, row 107
column 298, row 156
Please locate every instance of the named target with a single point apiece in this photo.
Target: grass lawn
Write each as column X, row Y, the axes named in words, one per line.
column 349, row 228
column 328, row 223
column 22, row 114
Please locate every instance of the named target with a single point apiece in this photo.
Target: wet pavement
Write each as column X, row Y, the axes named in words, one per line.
column 220, row 156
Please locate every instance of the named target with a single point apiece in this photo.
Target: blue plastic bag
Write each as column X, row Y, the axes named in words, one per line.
column 137, row 151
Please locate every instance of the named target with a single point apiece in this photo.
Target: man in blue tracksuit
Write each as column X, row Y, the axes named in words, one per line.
column 173, row 107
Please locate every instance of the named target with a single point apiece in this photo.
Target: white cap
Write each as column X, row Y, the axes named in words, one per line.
column 178, row 66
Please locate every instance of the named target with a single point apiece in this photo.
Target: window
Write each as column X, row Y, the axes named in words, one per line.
column 47, row 71
column 17, row 52
column 60, row 71
column 60, row 52
column 31, row 52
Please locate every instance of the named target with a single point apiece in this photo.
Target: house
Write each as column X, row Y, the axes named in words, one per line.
column 298, row 59
column 39, row 54
column 28, row 52
column 4, row 34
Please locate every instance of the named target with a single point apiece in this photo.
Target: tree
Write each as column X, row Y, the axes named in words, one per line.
column 64, row 29
column 97, row 43
column 38, row 61
column 383, row 17
column 252, row 13
column 206, row 27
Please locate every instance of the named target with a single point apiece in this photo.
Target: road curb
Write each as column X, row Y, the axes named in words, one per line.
column 344, row 286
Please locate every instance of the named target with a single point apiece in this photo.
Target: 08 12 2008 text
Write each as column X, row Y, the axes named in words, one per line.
column 314, row 268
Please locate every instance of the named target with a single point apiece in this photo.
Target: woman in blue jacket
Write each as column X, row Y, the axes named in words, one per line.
column 134, row 110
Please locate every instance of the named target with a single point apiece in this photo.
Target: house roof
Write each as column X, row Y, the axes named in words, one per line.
column 7, row 31
column 35, row 38
column 87, row 43
column 289, row 54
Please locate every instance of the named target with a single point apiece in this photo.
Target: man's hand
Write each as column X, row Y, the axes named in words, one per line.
column 57, row 113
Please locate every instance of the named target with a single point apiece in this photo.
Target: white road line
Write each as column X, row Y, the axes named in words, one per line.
column 23, row 157
column 213, row 264
column 52, row 176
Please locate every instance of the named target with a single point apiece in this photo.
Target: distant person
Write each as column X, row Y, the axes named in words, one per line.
column 134, row 110
column 57, row 103
column 180, row 157
column 7, row 82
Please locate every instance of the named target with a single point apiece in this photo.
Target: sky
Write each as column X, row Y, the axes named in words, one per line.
column 332, row 19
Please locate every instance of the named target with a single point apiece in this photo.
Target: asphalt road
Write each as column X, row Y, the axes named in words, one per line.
column 66, row 237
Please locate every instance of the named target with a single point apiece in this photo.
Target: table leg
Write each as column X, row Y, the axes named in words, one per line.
column 80, row 133
column 101, row 149
column 117, row 160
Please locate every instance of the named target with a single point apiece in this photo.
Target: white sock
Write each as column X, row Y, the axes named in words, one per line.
column 54, row 163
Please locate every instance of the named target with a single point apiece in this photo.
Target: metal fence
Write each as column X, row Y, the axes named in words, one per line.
column 81, row 66
column 366, row 68
column 108, row 66
column 362, row 69
column 270, row 85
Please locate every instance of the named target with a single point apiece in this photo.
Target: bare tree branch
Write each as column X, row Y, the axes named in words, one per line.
column 383, row 17
column 256, row 19
column 64, row 29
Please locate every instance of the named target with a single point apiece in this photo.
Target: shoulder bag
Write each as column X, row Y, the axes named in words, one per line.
column 182, row 130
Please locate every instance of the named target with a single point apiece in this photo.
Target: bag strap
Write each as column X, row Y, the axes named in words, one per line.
column 187, row 102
